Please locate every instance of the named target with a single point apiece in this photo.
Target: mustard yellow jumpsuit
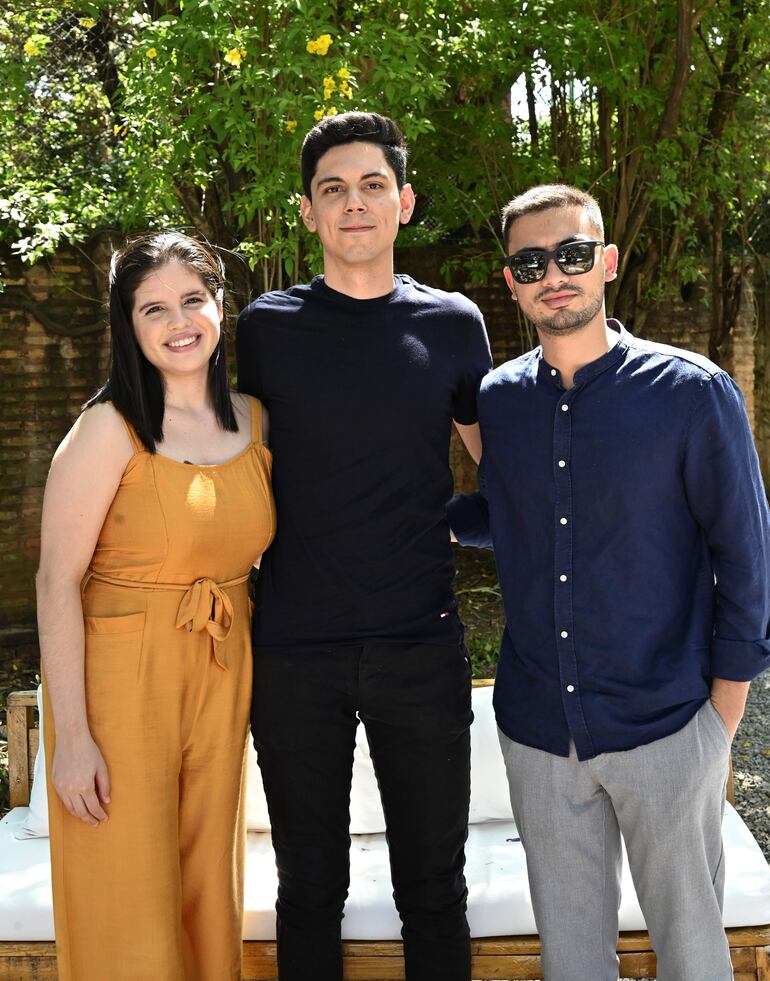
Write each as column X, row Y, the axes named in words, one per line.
column 155, row 892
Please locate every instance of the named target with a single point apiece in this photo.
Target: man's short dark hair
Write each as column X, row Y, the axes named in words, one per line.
column 547, row 196
column 349, row 127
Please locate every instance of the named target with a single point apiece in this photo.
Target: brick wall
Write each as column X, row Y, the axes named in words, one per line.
column 46, row 372
column 54, row 354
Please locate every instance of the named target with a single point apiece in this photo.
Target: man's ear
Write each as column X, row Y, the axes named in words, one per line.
column 306, row 210
column 407, row 199
column 510, row 281
column 610, row 263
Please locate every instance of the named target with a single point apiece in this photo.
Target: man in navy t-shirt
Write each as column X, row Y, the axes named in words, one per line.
column 363, row 373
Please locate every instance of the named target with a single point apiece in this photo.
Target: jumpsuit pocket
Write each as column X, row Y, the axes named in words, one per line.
column 113, row 653
column 113, row 647
column 129, row 623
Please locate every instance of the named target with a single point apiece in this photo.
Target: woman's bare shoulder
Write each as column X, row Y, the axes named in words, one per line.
column 242, row 404
column 99, row 432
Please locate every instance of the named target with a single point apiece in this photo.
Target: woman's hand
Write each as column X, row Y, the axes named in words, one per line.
column 80, row 777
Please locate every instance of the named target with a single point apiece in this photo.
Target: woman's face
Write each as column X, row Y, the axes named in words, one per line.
column 177, row 322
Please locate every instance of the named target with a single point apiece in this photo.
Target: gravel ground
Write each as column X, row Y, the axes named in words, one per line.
column 751, row 763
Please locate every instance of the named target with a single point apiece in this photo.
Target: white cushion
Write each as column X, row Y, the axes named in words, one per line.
column 25, row 882
column 489, row 787
column 499, row 903
column 490, row 800
column 36, row 822
column 366, row 815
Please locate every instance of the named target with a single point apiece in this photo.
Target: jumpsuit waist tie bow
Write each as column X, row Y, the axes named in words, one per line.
column 204, row 606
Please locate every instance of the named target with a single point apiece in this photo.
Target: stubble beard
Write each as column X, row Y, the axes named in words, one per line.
column 567, row 321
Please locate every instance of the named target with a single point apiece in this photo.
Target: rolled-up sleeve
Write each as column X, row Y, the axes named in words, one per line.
column 727, row 497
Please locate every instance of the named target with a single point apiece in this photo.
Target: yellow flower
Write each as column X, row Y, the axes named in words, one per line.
column 151, row 53
column 329, row 86
column 320, row 46
column 88, row 22
column 235, row 56
column 119, row 129
column 346, row 90
column 33, row 47
column 291, row 125
column 331, row 111
column 343, row 73
column 318, row 115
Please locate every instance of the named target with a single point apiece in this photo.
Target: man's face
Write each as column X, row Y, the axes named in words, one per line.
column 356, row 206
column 560, row 304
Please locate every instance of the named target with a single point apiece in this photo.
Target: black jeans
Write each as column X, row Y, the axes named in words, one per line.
column 415, row 702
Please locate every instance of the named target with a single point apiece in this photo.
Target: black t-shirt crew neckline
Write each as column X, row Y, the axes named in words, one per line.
column 320, row 285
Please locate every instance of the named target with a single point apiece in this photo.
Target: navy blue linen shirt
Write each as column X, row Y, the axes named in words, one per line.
column 630, row 528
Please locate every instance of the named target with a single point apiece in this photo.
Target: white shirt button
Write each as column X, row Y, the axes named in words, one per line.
column 562, row 578
column 564, row 634
column 570, row 688
column 562, row 463
column 565, row 408
column 553, row 371
column 562, row 521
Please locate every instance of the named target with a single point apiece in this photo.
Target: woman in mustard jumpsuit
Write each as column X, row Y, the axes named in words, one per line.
column 157, row 504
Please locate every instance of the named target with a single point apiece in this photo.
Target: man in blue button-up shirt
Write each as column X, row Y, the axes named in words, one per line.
column 622, row 493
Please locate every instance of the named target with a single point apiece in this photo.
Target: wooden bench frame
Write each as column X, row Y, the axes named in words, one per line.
column 513, row 958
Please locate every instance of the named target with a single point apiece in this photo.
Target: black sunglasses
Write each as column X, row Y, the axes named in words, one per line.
column 573, row 258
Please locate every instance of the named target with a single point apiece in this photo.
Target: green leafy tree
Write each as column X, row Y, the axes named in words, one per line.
column 122, row 116
column 198, row 114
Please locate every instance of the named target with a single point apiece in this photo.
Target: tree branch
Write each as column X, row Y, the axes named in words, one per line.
column 17, row 299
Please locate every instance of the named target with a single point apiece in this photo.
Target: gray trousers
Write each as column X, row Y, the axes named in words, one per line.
column 667, row 800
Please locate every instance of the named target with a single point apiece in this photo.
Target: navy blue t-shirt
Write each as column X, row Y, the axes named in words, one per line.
column 361, row 396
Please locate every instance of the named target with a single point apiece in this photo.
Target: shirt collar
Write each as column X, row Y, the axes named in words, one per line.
column 590, row 371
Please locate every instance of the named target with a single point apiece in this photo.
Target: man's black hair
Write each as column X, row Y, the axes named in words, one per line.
column 349, row 127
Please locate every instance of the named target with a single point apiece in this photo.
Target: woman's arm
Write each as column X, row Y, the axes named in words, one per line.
column 83, row 479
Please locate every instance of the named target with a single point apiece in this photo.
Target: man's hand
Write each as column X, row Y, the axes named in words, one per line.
column 729, row 699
